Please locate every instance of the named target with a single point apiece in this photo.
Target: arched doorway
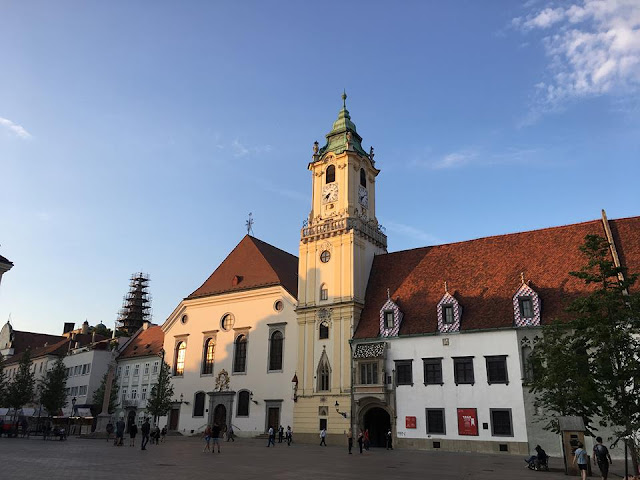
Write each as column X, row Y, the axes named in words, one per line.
column 220, row 415
column 378, row 422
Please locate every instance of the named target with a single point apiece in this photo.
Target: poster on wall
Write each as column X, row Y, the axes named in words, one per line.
column 410, row 422
column 467, row 421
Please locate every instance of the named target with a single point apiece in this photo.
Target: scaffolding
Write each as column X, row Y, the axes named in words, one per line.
column 136, row 306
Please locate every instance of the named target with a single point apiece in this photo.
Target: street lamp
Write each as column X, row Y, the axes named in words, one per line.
column 337, row 405
column 73, row 406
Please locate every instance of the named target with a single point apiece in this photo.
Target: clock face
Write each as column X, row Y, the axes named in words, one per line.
column 330, row 193
column 363, row 196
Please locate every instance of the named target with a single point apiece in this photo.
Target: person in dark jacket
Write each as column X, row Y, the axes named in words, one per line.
column 133, row 431
column 119, row 432
column 146, row 429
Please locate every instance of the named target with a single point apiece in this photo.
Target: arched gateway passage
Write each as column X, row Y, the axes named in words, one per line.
column 378, row 422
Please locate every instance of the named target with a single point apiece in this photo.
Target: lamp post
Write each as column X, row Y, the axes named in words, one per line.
column 344, row 414
column 73, row 409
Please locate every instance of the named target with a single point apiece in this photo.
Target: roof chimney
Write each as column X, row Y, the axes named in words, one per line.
column 68, row 326
column 85, row 327
column 145, row 325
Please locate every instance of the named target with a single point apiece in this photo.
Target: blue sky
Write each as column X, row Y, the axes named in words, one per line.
column 139, row 135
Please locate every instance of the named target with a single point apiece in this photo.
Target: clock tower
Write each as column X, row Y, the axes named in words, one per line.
column 337, row 246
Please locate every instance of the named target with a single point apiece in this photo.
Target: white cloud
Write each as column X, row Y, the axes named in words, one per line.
column 480, row 157
column 455, row 160
column 593, row 47
column 411, row 232
column 18, row 130
column 240, row 150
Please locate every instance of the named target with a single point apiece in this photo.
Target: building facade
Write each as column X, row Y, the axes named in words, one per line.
column 231, row 344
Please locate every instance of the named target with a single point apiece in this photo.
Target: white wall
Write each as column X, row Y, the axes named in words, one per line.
column 413, row 400
column 139, row 382
column 98, row 361
column 253, row 309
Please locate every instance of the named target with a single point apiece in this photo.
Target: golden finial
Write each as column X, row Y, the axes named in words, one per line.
column 522, row 278
column 446, row 288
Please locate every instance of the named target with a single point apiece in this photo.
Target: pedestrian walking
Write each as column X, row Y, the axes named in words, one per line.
column 133, row 431
column 280, row 433
column 207, row 438
column 215, row 434
column 323, row 436
column 367, row 442
column 272, row 437
column 389, row 439
column 289, row 435
column 119, row 432
column 163, row 433
column 146, row 429
column 109, row 430
column 580, row 457
column 231, row 434
column 360, row 440
column 602, row 457
column 350, row 440
column 156, row 435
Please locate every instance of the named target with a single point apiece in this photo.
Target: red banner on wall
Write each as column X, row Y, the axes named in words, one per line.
column 410, row 422
column 467, row 421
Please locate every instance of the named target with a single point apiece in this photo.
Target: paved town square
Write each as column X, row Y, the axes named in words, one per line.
column 182, row 457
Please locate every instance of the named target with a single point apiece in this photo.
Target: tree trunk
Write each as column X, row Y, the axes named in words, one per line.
column 634, row 454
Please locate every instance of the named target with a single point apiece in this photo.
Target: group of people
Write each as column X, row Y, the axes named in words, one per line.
column 286, row 436
column 214, row 433
column 601, row 457
column 364, row 441
column 155, row 435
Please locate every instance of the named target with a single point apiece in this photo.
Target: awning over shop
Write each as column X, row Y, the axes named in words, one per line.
column 83, row 412
column 4, row 411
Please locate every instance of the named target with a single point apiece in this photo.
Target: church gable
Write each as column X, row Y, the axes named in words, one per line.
column 487, row 272
column 252, row 264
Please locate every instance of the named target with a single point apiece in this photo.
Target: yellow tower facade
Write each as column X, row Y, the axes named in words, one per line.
column 337, row 246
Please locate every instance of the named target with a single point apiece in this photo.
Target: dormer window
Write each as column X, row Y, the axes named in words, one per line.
column 390, row 319
column 449, row 314
column 330, row 175
column 526, row 307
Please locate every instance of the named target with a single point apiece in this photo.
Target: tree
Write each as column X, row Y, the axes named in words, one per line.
column 52, row 388
column 20, row 390
column 101, row 329
column 98, row 394
column 160, row 398
column 602, row 344
column 3, row 385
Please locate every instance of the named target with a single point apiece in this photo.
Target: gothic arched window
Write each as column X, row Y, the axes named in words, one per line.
column 208, row 356
column 198, row 405
column 243, row 403
column 324, row 374
column 275, row 350
column 240, row 355
column 363, row 177
column 331, row 174
column 178, row 364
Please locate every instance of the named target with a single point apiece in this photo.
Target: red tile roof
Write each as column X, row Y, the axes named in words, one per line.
column 146, row 342
column 252, row 264
column 24, row 340
column 484, row 275
column 59, row 347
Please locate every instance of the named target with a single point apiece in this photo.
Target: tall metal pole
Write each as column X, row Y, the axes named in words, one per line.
column 626, row 466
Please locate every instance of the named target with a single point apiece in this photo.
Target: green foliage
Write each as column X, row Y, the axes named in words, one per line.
column 101, row 329
column 52, row 388
column 590, row 367
column 20, row 390
column 3, row 385
column 98, row 394
column 160, row 398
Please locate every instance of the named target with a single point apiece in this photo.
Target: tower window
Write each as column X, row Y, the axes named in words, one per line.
column 324, row 331
column 325, row 256
column 324, row 375
column 331, row 174
column 363, row 177
column 324, row 293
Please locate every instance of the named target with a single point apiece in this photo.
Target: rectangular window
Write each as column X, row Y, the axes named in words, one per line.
column 447, row 314
column 82, row 390
column 435, row 421
column 323, row 424
column 41, row 366
column 85, row 369
column 143, row 395
column 155, row 367
column 369, row 373
column 389, row 319
column 134, row 393
column 136, row 369
column 119, row 374
column 463, row 370
column 124, row 394
column 324, row 294
column 497, row 369
column 501, row 422
column 74, row 391
column 77, row 369
column 432, row 371
column 126, row 370
column 404, row 374
column 526, row 307
column 146, row 369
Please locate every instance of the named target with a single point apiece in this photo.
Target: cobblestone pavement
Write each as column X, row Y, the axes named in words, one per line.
column 181, row 457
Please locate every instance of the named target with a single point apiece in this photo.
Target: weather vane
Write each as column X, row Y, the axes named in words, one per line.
column 249, row 224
